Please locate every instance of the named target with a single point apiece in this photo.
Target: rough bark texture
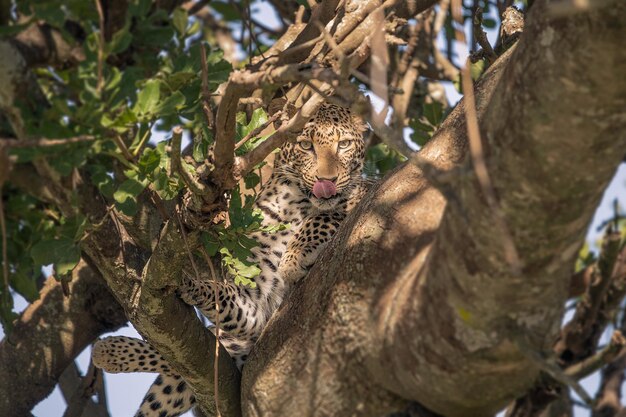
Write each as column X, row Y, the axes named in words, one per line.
column 143, row 283
column 48, row 336
column 414, row 300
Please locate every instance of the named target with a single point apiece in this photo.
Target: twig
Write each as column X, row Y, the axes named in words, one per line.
column 580, row 335
column 547, row 364
column 440, row 18
column 5, row 257
column 477, row 154
column 206, row 94
column 44, row 143
column 344, row 63
column 591, row 364
column 120, row 144
column 266, row 28
column 81, row 397
column 143, row 141
column 255, row 132
column 176, row 167
column 247, row 21
column 379, row 62
column 481, row 37
column 301, row 47
column 606, row 264
column 207, row 259
column 608, row 398
column 100, row 46
column 197, row 6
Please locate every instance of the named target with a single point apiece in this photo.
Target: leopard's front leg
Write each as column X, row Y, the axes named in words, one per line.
column 305, row 246
column 236, row 306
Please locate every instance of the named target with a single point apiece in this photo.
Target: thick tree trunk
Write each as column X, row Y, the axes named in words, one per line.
column 50, row 333
column 414, row 300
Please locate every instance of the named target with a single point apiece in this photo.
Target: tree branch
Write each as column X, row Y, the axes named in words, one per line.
column 144, row 284
column 402, row 303
column 42, row 345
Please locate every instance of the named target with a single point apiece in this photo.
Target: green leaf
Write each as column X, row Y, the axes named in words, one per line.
column 210, row 243
column 170, row 105
column 149, row 161
column 73, row 227
column 179, row 20
column 25, row 285
column 8, row 31
column 228, row 11
column 126, row 196
column 252, row 180
column 63, row 253
column 433, row 113
column 120, row 41
column 218, row 69
column 122, row 122
column 477, row 68
column 148, row 98
column 201, row 142
column 72, row 156
column 7, row 315
column 140, row 8
column 235, row 212
column 419, row 137
column 258, row 118
column 178, row 79
column 167, row 188
column 489, row 23
column 102, row 180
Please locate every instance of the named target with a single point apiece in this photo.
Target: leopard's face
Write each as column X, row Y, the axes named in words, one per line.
column 327, row 156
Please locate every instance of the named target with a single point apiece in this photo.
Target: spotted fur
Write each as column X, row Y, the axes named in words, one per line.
column 331, row 148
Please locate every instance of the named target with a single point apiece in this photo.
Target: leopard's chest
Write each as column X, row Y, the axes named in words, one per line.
column 281, row 202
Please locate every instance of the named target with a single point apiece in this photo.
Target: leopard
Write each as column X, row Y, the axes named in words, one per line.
column 316, row 182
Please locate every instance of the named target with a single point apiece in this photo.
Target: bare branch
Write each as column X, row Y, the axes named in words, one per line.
column 593, row 363
column 41, row 44
column 449, row 267
column 206, row 95
column 38, row 331
column 70, row 383
column 81, row 397
column 207, row 194
column 5, row 257
column 580, row 335
column 481, row 37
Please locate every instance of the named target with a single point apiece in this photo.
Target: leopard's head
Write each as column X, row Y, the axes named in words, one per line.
column 327, row 156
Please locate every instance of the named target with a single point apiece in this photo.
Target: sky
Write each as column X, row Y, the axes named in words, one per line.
column 125, row 391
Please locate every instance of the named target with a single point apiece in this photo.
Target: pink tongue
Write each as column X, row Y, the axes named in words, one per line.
column 324, row 189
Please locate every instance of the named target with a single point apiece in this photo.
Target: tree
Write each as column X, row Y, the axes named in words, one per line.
column 442, row 294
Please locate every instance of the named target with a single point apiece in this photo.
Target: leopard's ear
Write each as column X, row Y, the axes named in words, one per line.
column 359, row 123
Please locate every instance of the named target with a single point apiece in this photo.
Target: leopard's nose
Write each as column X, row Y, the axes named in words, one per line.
column 325, row 178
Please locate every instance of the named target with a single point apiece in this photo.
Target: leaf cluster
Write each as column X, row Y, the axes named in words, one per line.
column 236, row 242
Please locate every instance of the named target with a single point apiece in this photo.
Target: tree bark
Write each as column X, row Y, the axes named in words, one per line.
column 414, row 299
column 50, row 333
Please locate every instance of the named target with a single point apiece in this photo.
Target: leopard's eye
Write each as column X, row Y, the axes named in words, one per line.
column 343, row 144
column 306, row 144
